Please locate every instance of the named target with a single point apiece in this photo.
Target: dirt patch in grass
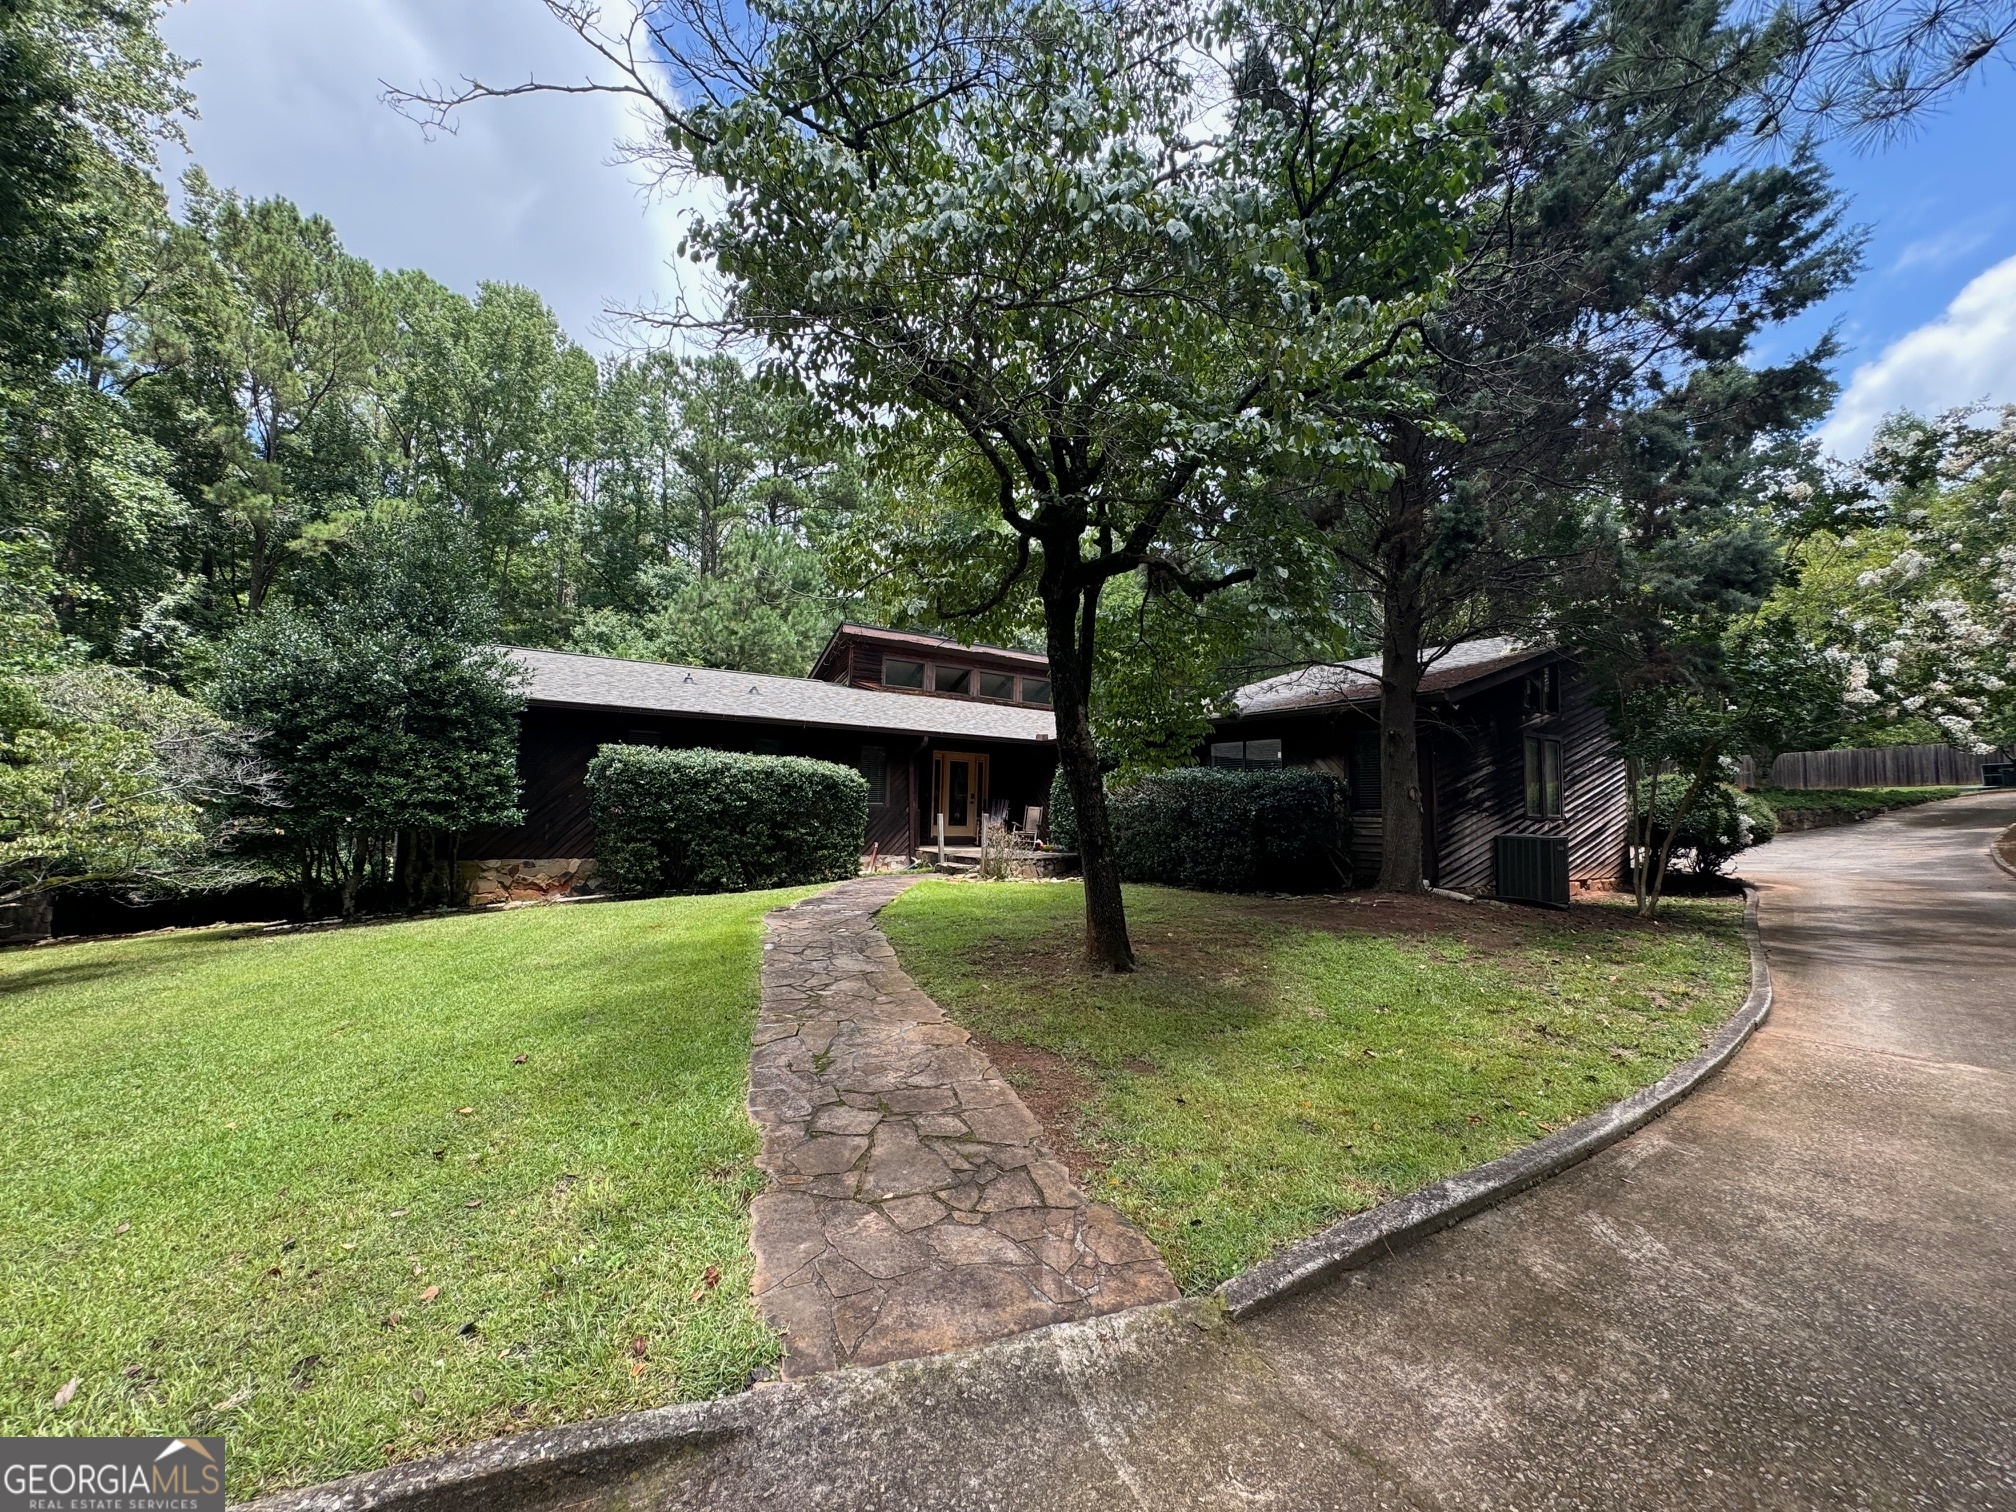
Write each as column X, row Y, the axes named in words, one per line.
column 1277, row 1063
column 1056, row 1092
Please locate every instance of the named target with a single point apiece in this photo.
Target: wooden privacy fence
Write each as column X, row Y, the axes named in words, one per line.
column 1872, row 767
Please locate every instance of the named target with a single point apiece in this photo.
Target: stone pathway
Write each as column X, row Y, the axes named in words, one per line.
column 912, row 1209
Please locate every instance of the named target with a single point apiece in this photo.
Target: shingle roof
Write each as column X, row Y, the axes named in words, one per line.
column 603, row 682
column 1358, row 682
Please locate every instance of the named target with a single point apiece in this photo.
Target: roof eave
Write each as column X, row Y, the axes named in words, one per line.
column 604, row 706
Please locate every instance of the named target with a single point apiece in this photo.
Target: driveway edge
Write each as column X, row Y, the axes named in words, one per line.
column 536, row 1469
column 2006, row 838
column 1360, row 1239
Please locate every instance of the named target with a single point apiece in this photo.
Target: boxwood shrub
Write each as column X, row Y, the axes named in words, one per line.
column 695, row 821
column 1220, row 830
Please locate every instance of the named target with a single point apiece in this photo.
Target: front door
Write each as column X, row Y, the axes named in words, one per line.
column 958, row 794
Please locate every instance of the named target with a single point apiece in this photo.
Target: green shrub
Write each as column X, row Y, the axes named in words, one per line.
column 718, row 821
column 1232, row 831
column 1063, row 819
column 1723, row 821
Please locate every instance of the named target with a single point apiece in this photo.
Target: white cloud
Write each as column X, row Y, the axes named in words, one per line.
column 526, row 191
column 1967, row 355
column 1938, row 251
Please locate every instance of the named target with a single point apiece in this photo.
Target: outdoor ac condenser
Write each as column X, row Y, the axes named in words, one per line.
column 1532, row 869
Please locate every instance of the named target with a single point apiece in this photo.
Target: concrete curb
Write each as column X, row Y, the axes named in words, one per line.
column 1359, row 1240
column 535, row 1469
column 1995, row 849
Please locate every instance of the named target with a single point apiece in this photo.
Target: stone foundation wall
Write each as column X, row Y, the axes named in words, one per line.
column 487, row 882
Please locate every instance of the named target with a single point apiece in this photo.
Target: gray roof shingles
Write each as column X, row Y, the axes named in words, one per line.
column 569, row 679
column 1357, row 681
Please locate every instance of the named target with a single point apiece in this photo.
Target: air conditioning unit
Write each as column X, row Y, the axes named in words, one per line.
column 1532, row 869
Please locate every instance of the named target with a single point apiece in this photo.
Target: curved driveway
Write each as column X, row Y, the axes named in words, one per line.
column 1798, row 1290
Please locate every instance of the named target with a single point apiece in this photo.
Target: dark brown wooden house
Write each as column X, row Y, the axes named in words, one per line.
column 935, row 727
column 1511, row 743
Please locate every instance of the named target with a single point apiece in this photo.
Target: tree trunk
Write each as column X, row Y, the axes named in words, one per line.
column 1070, row 610
column 1403, row 841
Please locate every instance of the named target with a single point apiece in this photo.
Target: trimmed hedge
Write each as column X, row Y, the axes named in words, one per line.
column 697, row 821
column 1219, row 830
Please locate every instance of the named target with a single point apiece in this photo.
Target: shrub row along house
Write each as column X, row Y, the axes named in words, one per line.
column 954, row 734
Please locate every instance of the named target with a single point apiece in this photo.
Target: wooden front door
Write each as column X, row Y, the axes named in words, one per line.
column 959, row 793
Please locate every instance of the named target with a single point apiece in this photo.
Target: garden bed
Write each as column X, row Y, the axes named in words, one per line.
column 1279, row 1063
column 357, row 1195
column 1821, row 808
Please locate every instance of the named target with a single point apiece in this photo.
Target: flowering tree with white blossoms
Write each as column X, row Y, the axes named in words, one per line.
column 1922, row 597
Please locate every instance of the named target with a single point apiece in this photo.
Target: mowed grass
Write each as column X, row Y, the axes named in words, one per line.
column 1853, row 800
column 351, row 1196
column 1276, row 1064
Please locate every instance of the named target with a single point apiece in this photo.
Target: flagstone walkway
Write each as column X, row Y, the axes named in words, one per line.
column 912, row 1208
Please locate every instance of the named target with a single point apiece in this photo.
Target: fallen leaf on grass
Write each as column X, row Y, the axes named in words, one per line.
column 465, row 1111
column 517, row 1060
column 475, row 1202
column 123, row 1228
column 467, row 1330
column 430, row 1294
column 68, row 1390
column 419, row 1397
column 637, row 1369
column 231, row 1403
column 273, row 1270
column 640, row 1346
column 398, row 1212
column 712, row 1277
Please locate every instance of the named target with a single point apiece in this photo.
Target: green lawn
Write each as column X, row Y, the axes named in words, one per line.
column 1278, row 1063
column 354, row 1195
column 1853, row 800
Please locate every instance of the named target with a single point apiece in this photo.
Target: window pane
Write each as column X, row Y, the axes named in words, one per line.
column 898, row 673
column 996, row 685
column 1552, row 750
column 875, row 767
column 1228, row 753
column 956, row 792
column 1263, row 753
column 1036, row 690
column 951, row 679
column 1534, row 797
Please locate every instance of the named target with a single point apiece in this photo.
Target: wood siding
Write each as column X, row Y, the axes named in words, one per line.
column 555, row 746
column 1480, row 786
column 1473, row 778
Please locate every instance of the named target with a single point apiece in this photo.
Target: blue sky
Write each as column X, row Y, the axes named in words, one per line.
column 528, row 191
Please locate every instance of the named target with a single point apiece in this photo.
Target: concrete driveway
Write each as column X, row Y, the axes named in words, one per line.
column 1795, row 1291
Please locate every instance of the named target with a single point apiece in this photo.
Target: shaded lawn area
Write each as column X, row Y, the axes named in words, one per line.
column 351, row 1196
column 1276, row 1064
column 1853, row 800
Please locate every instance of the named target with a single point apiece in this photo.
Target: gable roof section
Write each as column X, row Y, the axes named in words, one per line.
column 1353, row 682
column 568, row 679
